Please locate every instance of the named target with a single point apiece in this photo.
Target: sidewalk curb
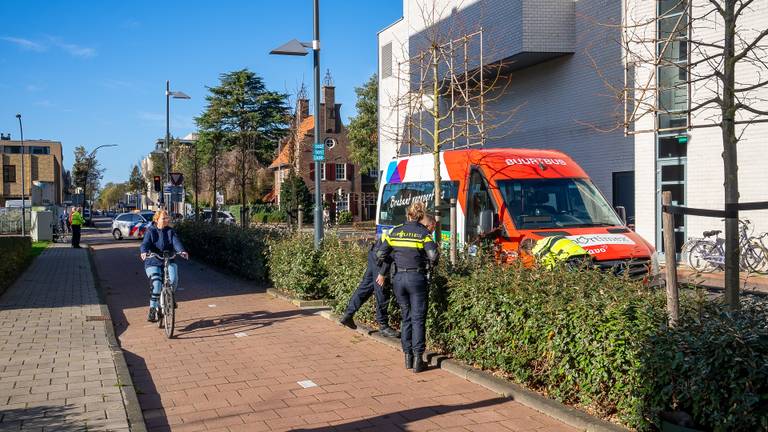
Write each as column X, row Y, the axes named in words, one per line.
column 301, row 304
column 550, row 407
column 130, row 399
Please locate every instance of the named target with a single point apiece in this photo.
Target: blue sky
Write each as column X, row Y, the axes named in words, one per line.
column 93, row 72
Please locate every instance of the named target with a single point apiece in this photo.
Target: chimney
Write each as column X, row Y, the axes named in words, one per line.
column 329, row 103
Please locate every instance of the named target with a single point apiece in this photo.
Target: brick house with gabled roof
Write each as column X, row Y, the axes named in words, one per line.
column 341, row 181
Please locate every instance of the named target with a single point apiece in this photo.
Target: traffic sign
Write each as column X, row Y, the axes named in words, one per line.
column 176, row 178
column 318, row 152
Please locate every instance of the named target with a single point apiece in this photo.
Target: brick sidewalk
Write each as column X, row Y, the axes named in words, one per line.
column 240, row 358
column 56, row 367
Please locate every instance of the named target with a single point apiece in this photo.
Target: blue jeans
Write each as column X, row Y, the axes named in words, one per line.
column 155, row 275
column 367, row 287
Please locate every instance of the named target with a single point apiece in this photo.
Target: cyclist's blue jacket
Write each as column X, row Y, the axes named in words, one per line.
column 159, row 241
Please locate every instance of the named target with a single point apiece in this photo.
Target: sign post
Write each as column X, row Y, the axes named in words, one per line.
column 318, row 152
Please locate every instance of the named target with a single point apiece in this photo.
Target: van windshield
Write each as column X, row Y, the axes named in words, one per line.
column 556, row 203
column 396, row 197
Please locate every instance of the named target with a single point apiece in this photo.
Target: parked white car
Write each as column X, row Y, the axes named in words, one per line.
column 222, row 217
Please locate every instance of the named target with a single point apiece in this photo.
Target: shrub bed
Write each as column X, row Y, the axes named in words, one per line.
column 242, row 251
column 16, row 253
column 295, row 267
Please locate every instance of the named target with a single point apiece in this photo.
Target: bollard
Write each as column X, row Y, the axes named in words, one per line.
column 301, row 216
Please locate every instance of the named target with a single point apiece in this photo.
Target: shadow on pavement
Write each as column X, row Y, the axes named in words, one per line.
column 400, row 420
column 64, row 418
column 233, row 323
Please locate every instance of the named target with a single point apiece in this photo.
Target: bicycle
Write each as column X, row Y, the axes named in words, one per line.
column 60, row 235
column 166, row 312
column 707, row 255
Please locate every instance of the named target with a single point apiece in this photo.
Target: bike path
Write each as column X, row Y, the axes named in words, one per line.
column 57, row 366
column 243, row 361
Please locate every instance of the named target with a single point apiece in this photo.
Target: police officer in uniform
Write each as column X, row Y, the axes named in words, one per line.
column 363, row 292
column 413, row 252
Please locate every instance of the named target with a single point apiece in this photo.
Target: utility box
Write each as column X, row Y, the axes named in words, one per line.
column 41, row 226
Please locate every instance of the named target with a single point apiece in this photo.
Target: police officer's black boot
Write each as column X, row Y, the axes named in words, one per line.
column 389, row 332
column 418, row 364
column 408, row 361
column 347, row 321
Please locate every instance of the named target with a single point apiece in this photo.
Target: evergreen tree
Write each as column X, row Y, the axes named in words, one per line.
column 293, row 191
column 363, row 128
column 136, row 181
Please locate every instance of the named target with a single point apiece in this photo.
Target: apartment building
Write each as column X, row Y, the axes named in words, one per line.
column 567, row 69
column 43, row 171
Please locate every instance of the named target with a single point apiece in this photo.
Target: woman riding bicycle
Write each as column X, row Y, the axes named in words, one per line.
column 158, row 239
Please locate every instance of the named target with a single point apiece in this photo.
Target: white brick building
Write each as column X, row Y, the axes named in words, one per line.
column 562, row 56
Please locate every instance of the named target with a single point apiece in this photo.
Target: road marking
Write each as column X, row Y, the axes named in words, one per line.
column 241, row 334
column 306, row 383
column 211, row 305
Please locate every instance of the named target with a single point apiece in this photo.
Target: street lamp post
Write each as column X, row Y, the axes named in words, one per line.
column 296, row 48
column 23, row 182
column 168, row 95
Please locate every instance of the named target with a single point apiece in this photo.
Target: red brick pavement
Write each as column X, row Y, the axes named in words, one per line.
column 208, row 379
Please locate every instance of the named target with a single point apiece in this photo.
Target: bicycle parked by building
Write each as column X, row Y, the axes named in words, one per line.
column 707, row 254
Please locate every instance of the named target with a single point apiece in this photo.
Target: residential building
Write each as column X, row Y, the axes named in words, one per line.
column 151, row 199
column 341, row 181
column 43, row 171
column 565, row 64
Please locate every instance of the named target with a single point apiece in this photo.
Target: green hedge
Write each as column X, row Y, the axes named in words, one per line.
column 294, row 265
column 275, row 216
column 16, row 253
column 242, row 251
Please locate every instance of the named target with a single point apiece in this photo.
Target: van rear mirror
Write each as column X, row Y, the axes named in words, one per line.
column 486, row 221
column 622, row 212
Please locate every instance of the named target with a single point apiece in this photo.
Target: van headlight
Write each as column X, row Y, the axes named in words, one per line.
column 655, row 264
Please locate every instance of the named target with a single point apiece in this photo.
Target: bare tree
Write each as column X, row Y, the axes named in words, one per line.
column 447, row 87
column 682, row 59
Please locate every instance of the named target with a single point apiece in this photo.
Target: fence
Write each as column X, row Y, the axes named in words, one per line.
column 10, row 220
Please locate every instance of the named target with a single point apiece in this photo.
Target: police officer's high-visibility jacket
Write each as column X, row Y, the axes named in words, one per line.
column 77, row 218
column 410, row 247
column 551, row 251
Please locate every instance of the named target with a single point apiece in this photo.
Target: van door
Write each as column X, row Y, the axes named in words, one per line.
column 478, row 199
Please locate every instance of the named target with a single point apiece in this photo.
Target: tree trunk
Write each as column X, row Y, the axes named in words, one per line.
column 243, row 154
column 214, row 204
column 197, row 177
column 730, row 160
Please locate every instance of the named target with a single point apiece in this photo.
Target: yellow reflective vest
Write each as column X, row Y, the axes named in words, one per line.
column 551, row 251
column 77, row 218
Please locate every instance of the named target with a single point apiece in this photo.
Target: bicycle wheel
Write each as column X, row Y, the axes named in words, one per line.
column 700, row 255
column 756, row 257
column 685, row 250
column 169, row 314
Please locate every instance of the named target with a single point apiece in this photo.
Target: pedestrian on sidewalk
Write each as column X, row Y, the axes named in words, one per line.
column 413, row 253
column 158, row 239
column 76, row 220
column 368, row 286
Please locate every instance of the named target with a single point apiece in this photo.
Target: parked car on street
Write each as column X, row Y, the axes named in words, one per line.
column 222, row 217
column 131, row 225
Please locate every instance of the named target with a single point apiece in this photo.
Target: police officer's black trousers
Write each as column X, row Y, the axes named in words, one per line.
column 76, row 236
column 367, row 287
column 412, row 295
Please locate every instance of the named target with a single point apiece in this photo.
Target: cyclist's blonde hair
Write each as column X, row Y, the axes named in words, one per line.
column 159, row 214
column 416, row 211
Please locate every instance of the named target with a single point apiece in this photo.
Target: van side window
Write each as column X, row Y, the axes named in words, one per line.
column 478, row 199
column 396, row 197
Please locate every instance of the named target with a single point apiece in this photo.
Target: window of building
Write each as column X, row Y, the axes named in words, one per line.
column 13, row 149
column 341, row 171
column 373, row 172
column 39, row 150
column 342, row 202
column 386, row 60
column 9, row 173
column 330, row 143
column 322, row 171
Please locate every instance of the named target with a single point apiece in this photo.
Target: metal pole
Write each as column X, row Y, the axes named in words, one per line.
column 318, row 166
column 167, row 139
column 23, row 182
column 453, row 231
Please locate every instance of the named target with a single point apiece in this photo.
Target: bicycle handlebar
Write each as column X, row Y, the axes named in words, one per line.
column 162, row 257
